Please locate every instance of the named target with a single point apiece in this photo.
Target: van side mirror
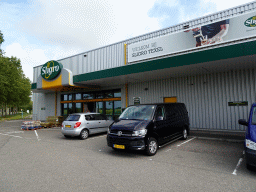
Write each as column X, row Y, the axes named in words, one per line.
column 243, row 122
column 160, row 118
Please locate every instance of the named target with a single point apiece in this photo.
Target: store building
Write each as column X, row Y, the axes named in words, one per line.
column 207, row 63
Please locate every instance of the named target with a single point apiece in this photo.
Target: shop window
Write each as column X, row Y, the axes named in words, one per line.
column 67, row 108
column 67, row 97
column 78, row 96
column 99, row 95
column 117, row 109
column 117, row 93
column 109, row 94
column 70, row 108
column 99, row 107
column 78, row 107
column 70, row 97
column 88, row 96
column 109, row 109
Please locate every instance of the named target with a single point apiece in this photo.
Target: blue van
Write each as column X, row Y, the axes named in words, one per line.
column 250, row 137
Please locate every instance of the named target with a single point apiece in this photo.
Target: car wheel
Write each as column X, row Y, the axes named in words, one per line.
column 184, row 134
column 84, row 134
column 152, row 146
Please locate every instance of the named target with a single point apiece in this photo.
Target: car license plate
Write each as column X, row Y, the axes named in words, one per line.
column 119, row 146
column 69, row 126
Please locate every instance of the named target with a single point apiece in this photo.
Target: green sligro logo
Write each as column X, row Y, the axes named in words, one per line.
column 51, row 70
column 251, row 22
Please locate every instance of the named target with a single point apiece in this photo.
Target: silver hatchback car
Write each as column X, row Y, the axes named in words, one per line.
column 85, row 124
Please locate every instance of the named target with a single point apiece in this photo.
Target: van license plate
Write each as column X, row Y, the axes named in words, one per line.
column 119, row 146
column 68, row 126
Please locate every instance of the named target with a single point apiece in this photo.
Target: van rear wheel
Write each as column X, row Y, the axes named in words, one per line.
column 184, row 134
column 152, row 146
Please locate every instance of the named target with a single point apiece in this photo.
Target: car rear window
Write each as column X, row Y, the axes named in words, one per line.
column 73, row 118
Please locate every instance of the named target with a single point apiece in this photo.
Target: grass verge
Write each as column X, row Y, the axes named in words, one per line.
column 15, row 117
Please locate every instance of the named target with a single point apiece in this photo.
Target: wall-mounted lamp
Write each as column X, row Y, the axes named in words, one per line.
column 146, row 89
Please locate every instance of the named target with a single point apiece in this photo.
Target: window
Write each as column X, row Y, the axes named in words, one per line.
column 254, row 116
column 117, row 109
column 87, row 117
column 78, row 107
column 99, row 95
column 117, row 93
column 69, row 97
column 99, row 107
column 109, row 109
column 142, row 112
column 67, row 108
column 160, row 112
column 66, row 97
column 88, row 96
column 109, row 94
column 100, row 117
column 73, row 118
column 78, row 96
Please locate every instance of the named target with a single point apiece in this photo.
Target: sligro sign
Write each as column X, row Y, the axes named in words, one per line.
column 51, row 70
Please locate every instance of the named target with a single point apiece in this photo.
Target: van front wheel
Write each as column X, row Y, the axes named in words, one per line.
column 152, row 146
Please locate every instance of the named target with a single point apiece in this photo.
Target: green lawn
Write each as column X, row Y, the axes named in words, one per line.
column 15, row 117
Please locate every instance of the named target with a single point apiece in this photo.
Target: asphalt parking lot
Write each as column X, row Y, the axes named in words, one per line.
column 43, row 160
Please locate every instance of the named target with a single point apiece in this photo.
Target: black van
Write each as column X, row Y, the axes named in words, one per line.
column 148, row 126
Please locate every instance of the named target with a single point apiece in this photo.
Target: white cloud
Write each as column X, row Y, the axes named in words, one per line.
column 222, row 5
column 88, row 24
column 28, row 56
column 44, row 29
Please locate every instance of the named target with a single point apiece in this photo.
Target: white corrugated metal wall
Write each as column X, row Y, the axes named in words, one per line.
column 206, row 97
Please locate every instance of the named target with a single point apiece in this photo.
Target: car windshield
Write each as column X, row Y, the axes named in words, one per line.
column 138, row 112
column 73, row 118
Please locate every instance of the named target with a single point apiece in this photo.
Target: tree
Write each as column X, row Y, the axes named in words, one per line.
column 1, row 41
column 14, row 85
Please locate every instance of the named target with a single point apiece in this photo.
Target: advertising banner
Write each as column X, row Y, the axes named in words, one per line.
column 235, row 28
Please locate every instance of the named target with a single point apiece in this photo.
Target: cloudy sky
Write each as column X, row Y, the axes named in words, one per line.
column 37, row 31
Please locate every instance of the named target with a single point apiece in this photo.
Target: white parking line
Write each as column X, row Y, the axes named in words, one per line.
column 15, row 132
column 237, row 166
column 186, row 141
column 168, row 150
column 37, row 136
column 11, row 135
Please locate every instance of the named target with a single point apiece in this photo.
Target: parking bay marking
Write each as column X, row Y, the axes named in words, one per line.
column 186, row 142
column 10, row 135
column 238, row 164
column 37, row 136
column 15, row 132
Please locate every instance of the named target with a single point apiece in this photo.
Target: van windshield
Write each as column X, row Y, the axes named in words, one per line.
column 138, row 112
column 254, row 116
